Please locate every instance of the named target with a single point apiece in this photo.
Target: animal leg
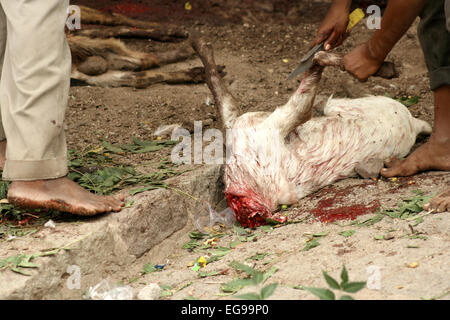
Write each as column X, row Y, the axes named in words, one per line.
column 227, row 104
column 167, row 34
column 92, row 16
column 119, row 57
column 298, row 109
column 369, row 169
column 331, row 59
column 141, row 79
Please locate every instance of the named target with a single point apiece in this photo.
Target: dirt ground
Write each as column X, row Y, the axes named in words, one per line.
column 260, row 43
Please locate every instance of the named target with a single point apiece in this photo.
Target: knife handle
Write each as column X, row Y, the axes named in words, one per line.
column 354, row 18
column 387, row 71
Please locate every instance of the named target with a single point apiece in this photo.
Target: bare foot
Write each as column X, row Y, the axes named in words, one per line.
column 441, row 203
column 61, row 194
column 432, row 155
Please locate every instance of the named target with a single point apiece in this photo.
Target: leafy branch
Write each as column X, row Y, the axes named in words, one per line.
column 344, row 285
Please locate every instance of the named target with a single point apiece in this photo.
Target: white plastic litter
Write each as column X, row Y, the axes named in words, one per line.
column 166, row 129
column 150, row 292
column 206, row 217
column 50, row 224
column 10, row 237
column 104, row 291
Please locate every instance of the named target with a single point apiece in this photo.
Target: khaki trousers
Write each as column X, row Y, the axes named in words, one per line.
column 35, row 65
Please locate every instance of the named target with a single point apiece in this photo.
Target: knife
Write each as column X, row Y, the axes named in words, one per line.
column 307, row 61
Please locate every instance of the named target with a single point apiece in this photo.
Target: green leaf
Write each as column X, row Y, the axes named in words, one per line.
column 311, row 244
column 320, row 234
column 323, row 294
column 165, row 293
column 258, row 277
column 353, row 287
column 344, row 276
column 268, row 290
column 190, row 245
column 371, row 221
column 20, row 270
column 242, row 267
column 221, row 251
column 197, row 235
column 236, row 285
column 331, row 282
column 347, row 233
column 129, row 203
column 213, row 258
column 269, row 273
column 266, row 228
column 259, row 256
column 249, row 296
column 208, row 274
column 142, row 189
column 417, row 221
column 408, row 101
column 345, row 297
column 148, row 268
column 111, row 148
column 234, row 244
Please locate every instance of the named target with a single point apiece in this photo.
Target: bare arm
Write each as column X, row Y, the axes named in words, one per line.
column 333, row 29
column 365, row 60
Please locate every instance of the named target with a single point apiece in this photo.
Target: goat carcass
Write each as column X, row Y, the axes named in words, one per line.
column 280, row 157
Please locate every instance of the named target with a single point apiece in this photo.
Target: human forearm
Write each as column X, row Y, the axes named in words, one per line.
column 342, row 4
column 397, row 19
column 334, row 27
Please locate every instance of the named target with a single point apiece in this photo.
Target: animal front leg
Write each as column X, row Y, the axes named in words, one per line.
column 369, row 169
column 119, row 57
column 141, row 79
column 93, row 16
column 163, row 33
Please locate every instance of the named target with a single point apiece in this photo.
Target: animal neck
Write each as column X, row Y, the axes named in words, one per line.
column 298, row 110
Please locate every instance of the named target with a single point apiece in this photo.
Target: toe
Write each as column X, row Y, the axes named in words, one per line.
column 444, row 206
column 390, row 172
column 402, row 169
column 113, row 203
column 391, row 162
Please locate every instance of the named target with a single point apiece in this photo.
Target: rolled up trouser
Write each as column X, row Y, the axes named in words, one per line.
column 435, row 41
column 34, row 86
column 447, row 13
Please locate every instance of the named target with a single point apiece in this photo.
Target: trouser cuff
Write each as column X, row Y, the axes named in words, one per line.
column 29, row 170
column 439, row 77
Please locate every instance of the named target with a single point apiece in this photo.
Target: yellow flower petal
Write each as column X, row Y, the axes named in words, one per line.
column 187, row 6
column 202, row 262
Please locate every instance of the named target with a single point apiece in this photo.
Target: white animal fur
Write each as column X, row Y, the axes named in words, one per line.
column 283, row 167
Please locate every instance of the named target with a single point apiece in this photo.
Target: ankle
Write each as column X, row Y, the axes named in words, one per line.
column 440, row 139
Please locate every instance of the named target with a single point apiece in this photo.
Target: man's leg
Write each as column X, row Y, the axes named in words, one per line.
column 435, row 154
column 2, row 55
column 33, row 97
